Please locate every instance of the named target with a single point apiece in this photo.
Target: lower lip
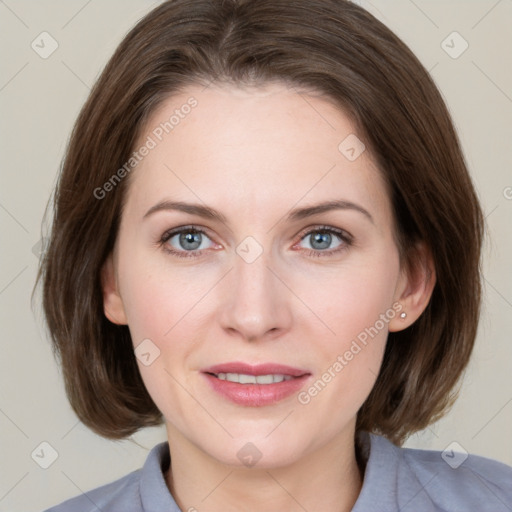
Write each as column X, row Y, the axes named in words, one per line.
column 256, row 395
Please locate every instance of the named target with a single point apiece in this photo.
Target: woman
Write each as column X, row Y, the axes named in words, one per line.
column 265, row 236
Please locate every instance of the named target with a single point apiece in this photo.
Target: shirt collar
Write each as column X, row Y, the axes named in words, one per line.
column 155, row 495
column 388, row 486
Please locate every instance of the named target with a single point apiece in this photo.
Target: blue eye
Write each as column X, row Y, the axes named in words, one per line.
column 321, row 238
column 189, row 242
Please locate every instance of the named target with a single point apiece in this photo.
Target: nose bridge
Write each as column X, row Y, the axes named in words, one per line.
column 256, row 301
column 253, row 279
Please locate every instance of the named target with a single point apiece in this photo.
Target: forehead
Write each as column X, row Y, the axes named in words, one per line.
column 253, row 148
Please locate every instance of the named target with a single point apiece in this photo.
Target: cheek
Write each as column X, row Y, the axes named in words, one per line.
column 349, row 362
column 356, row 304
column 157, row 314
column 352, row 298
column 161, row 306
column 145, row 305
column 155, row 295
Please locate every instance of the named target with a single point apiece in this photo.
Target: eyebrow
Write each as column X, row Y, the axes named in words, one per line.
column 294, row 215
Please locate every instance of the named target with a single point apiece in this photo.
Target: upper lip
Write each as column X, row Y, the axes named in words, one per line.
column 256, row 369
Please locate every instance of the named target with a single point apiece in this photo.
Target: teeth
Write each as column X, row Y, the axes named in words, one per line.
column 242, row 378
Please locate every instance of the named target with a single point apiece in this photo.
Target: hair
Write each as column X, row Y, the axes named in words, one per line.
column 331, row 46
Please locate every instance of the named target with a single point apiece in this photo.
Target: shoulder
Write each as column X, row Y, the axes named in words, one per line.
column 448, row 480
column 460, row 468
column 140, row 490
column 122, row 494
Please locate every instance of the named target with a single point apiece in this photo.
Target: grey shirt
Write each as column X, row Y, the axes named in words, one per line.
column 396, row 480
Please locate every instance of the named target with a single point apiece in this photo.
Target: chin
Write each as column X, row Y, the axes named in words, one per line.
column 259, row 452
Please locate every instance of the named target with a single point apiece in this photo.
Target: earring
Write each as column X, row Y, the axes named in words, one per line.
column 403, row 315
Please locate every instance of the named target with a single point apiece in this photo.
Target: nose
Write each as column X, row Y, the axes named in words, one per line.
column 257, row 303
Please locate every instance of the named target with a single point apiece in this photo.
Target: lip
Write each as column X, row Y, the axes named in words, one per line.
column 257, row 369
column 256, row 395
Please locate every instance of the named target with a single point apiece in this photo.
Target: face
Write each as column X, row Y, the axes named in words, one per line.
column 264, row 279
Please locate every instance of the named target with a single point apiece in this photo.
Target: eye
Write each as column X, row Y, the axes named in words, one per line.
column 321, row 241
column 185, row 242
column 190, row 241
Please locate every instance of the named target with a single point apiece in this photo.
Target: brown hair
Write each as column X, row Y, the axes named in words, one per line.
column 330, row 46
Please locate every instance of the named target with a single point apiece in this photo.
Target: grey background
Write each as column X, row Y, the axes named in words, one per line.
column 40, row 99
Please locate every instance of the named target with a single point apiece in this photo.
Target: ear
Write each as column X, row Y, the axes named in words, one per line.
column 415, row 286
column 112, row 302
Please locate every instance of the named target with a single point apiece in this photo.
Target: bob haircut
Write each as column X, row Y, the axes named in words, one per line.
column 345, row 54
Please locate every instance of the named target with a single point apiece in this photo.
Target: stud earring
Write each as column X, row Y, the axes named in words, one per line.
column 403, row 315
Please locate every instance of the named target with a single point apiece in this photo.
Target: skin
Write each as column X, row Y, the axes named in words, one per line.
column 254, row 154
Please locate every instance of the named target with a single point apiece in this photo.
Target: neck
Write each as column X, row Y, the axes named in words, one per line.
column 327, row 479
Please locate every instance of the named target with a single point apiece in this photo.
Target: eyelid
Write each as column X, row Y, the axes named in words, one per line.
column 170, row 233
column 187, row 227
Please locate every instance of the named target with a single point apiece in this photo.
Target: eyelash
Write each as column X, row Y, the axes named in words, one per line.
column 342, row 235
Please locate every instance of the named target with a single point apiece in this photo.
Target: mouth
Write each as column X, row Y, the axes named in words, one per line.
column 243, row 378
column 255, row 385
